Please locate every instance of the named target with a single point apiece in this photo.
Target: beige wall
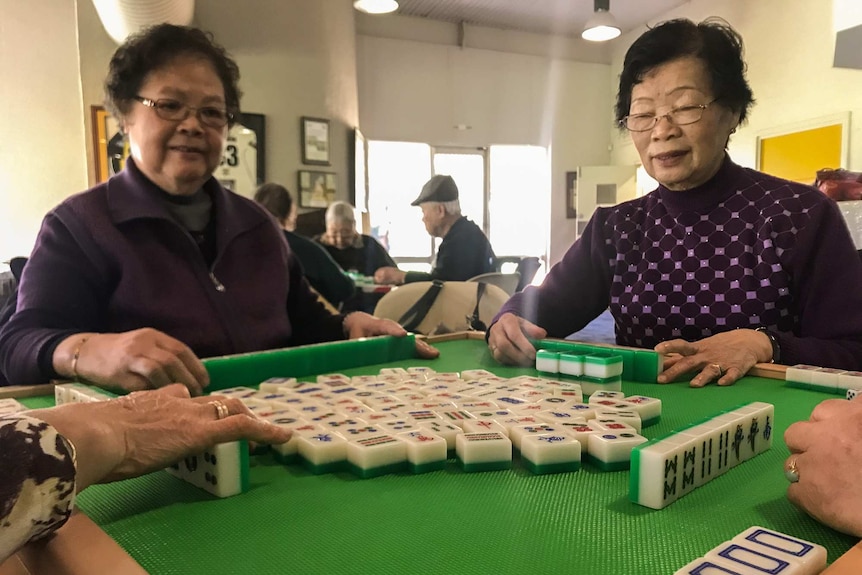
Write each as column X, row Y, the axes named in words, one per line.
column 419, row 91
column 42, row 132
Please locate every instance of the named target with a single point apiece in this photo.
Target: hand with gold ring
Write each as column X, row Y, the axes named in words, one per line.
column 825, row 464
column 722, row 358
column 149, row 430
column 508, row 340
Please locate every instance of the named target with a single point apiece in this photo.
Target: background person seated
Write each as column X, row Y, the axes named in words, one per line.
column 464, row 253
column 322, row 272
column 356, row 253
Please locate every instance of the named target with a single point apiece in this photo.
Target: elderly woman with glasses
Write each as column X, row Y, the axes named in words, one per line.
column 132, row 281
column 721, row 266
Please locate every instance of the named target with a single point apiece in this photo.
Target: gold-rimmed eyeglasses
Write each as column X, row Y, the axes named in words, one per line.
column 681, row 116
column 176, row 111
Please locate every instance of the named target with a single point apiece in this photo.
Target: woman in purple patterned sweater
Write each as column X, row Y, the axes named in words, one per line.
column 720, row 267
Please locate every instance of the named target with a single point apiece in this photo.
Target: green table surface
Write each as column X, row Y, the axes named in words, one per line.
column 451, row 522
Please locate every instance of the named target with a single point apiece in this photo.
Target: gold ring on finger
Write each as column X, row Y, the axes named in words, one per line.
column 221, row 409
column 720, row 370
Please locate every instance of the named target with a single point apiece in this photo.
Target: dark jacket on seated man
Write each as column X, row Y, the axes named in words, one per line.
column 363, row 256
column 321, row 270
column 464, row 253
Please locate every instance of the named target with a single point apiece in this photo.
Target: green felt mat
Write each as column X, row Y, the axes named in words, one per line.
column 451, row 522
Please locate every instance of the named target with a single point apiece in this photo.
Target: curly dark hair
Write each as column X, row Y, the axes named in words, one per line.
column 713, row 41
column 276, row 199
column 155, row 47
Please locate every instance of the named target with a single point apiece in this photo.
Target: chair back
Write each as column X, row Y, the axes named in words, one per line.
column 452, row 310
column 527, row 267
column 507, row 282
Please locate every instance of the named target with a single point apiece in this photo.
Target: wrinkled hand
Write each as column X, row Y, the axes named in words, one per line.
column 735, row 352
column 508, row 340
column 136, row 360
column 149, row 430
column 389, row 275
column 828, row 452
column 360, row 324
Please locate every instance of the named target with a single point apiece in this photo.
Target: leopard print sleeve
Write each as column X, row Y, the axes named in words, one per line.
column 37, row 481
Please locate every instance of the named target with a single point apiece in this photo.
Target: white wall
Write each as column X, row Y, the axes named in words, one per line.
column 789, row 48
column 412, row 90
column 42, row 131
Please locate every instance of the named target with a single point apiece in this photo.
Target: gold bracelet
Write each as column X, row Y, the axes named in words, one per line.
column 76, row 355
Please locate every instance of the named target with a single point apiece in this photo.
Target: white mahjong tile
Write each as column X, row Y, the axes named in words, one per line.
column 613, row 449
column 518, row 432
column 251, row 402
column 306, row 389
column 440, row 386
column 287, row 421
column 347, row 400
column 422, row 415
column 222, row 470
column 274, row 384
column 381, row 400
column 810, row 557
column 333, row 379
column 800, row 373
column 389, row 378
column 364, row 395
column 447, row 376
column 322, row 417
column 527, row 409
column 351, row 432
column 626, row 416
column 267, row 410
column 422, row 369
column 425, row 450
column 435, row 405
column 658, row 474
column 748, row 560
column 477, row 449
column 370, row 456
column 63, row 393
column 363, row 380
column 517, row 419
column 649, row 408
column 239, row 392
column 269, row 396
column 826, row 377
column 525, row 380
column 590, row 387
column 508, row 401
column 398, row 425
column 757, row 419
column 455, row 416
column 448, row 431
column 393, row 371
column 399, row 408
column 580, row 432
column 547, row 451
column 850, row 380
column 339, row 423
column 703, row 566
column 478, row 404
column 852, row 393
column 555, row 402
column 571, row 364
column 612, row 395
column 490, row 392
column 471, row 374
column 494, row 414
column 547, row 361
column 603, row 365
column 309, row 410
column 532, row 395
column 354, row 409
column 321, row 449
column 480, row 425
column 413, row 379
column 447, row 396
column 377, row 417
column 602, row 402
column 410, row 397
column 493, row 380
column 346, row 390
column 562, row 416
column 571, row 391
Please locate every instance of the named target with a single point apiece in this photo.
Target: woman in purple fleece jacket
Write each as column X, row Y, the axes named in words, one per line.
column 132, row 281
column 721, row 267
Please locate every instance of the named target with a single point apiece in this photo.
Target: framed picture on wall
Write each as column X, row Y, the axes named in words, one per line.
column 110, row 148
column 315, row 141
column 243, row 164
column 571, row 195
column 316, row 189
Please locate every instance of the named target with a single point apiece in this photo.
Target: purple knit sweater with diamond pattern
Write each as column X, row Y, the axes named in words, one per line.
column 744, row 250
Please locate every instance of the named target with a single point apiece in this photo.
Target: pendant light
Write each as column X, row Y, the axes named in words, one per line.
column 376, row 6
column 602, row 26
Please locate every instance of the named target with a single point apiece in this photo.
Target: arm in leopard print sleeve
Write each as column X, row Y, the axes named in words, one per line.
column 37, row 481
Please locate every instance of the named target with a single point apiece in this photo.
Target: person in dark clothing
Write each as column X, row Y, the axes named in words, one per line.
column 464, row 253
column 322, row 272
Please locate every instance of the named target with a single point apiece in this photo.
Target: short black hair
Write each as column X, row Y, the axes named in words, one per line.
column 276, row 199
column 713, row 41
column 153, row 48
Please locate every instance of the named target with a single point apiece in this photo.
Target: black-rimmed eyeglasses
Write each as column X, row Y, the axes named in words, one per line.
column 681, row 116
column 176, row 111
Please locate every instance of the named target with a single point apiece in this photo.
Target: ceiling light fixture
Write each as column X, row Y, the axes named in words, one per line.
column 602, row 26
column 376, row 6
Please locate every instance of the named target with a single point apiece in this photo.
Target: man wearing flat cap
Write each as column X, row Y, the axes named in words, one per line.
column 464, row 252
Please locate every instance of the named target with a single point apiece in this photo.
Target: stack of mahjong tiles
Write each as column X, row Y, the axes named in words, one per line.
column 597, row 368
column 827, row 379
column 415, row 418
column 668, row 467
column 222, row 470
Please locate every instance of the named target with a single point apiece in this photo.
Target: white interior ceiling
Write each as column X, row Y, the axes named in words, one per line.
column 561, row 17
